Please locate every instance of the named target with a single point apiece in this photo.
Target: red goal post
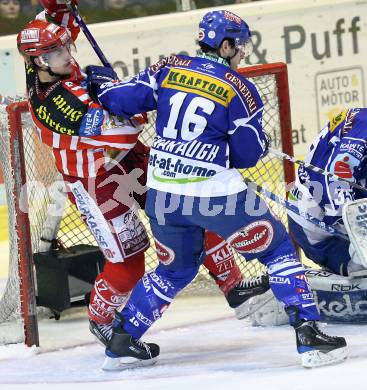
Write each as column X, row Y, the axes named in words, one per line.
column 24, row 159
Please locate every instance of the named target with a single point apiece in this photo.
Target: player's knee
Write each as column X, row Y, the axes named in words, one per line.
column 179, row 278
column 282, row 249
column 124, row 276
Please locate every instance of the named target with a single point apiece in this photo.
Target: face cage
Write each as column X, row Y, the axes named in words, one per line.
column 59, row 57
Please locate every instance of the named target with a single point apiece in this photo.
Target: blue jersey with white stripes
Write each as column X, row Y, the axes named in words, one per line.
column 209, row 122
column 340, row 148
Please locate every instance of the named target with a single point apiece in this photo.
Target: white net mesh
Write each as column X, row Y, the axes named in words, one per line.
column 41, row 174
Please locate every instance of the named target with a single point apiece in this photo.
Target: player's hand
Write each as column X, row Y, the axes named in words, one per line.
column 98, row 75
column 58, row 13
column 53, row 7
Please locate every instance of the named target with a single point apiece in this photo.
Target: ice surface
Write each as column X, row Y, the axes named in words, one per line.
column 202, row 347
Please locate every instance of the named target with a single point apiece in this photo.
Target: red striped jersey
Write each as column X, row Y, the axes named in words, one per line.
column 84, row 138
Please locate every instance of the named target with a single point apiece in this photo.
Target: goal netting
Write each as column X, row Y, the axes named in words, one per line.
column 31, row 207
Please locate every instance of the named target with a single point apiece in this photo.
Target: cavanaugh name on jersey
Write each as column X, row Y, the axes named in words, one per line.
column 194, row 97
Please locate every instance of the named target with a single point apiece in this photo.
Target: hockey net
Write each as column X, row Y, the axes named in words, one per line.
column 24, row 159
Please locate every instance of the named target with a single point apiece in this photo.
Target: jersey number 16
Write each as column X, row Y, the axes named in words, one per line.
column 190, row 117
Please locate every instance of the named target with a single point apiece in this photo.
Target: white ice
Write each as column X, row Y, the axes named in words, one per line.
column 202, row 347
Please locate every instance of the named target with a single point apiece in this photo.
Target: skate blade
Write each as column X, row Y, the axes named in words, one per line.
column 252, row 305
column 312, row 359
column 125, row 363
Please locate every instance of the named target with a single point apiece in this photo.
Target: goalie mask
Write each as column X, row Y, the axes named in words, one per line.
column 219, row 25
column 48, row 42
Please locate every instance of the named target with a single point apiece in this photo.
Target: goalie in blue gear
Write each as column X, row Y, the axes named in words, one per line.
column 340, row 286
column 209, row 122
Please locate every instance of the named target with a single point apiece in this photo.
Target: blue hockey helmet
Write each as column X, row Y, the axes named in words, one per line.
column 218, row 25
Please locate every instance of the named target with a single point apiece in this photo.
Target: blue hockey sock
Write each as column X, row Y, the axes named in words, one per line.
column 152, row 296
column 289, row 285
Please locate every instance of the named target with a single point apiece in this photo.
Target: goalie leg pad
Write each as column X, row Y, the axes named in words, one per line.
column 267, row 311
column 340, row 299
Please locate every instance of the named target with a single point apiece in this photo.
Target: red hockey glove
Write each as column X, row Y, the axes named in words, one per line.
column 57, row 12
column 53, row 7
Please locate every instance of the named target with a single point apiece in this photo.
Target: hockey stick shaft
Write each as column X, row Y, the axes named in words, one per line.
column 314, row 168
column 285, row 203
column 87, row 33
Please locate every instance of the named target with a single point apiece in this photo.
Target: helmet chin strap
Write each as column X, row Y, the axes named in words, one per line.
column 51, row 73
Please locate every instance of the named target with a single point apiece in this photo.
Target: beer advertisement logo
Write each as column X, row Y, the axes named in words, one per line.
column 253, row 238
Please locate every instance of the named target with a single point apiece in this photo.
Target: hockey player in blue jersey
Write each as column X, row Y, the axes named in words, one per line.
column 341, row 285
column 340, row 148
column 209, row 124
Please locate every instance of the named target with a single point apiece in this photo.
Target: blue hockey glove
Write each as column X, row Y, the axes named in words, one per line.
column 98, row 75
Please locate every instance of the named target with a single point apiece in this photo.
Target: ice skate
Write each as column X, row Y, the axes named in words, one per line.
column 124, row 352
column 103, row 332
column 318, row 349
column 238, row 297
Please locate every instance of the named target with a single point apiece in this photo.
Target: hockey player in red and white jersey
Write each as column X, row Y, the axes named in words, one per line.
column 96, row 153
column 90, row 150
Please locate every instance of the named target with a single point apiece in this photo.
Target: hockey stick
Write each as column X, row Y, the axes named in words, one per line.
column 74, row 11
column 294, row 209
column 284, row 156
